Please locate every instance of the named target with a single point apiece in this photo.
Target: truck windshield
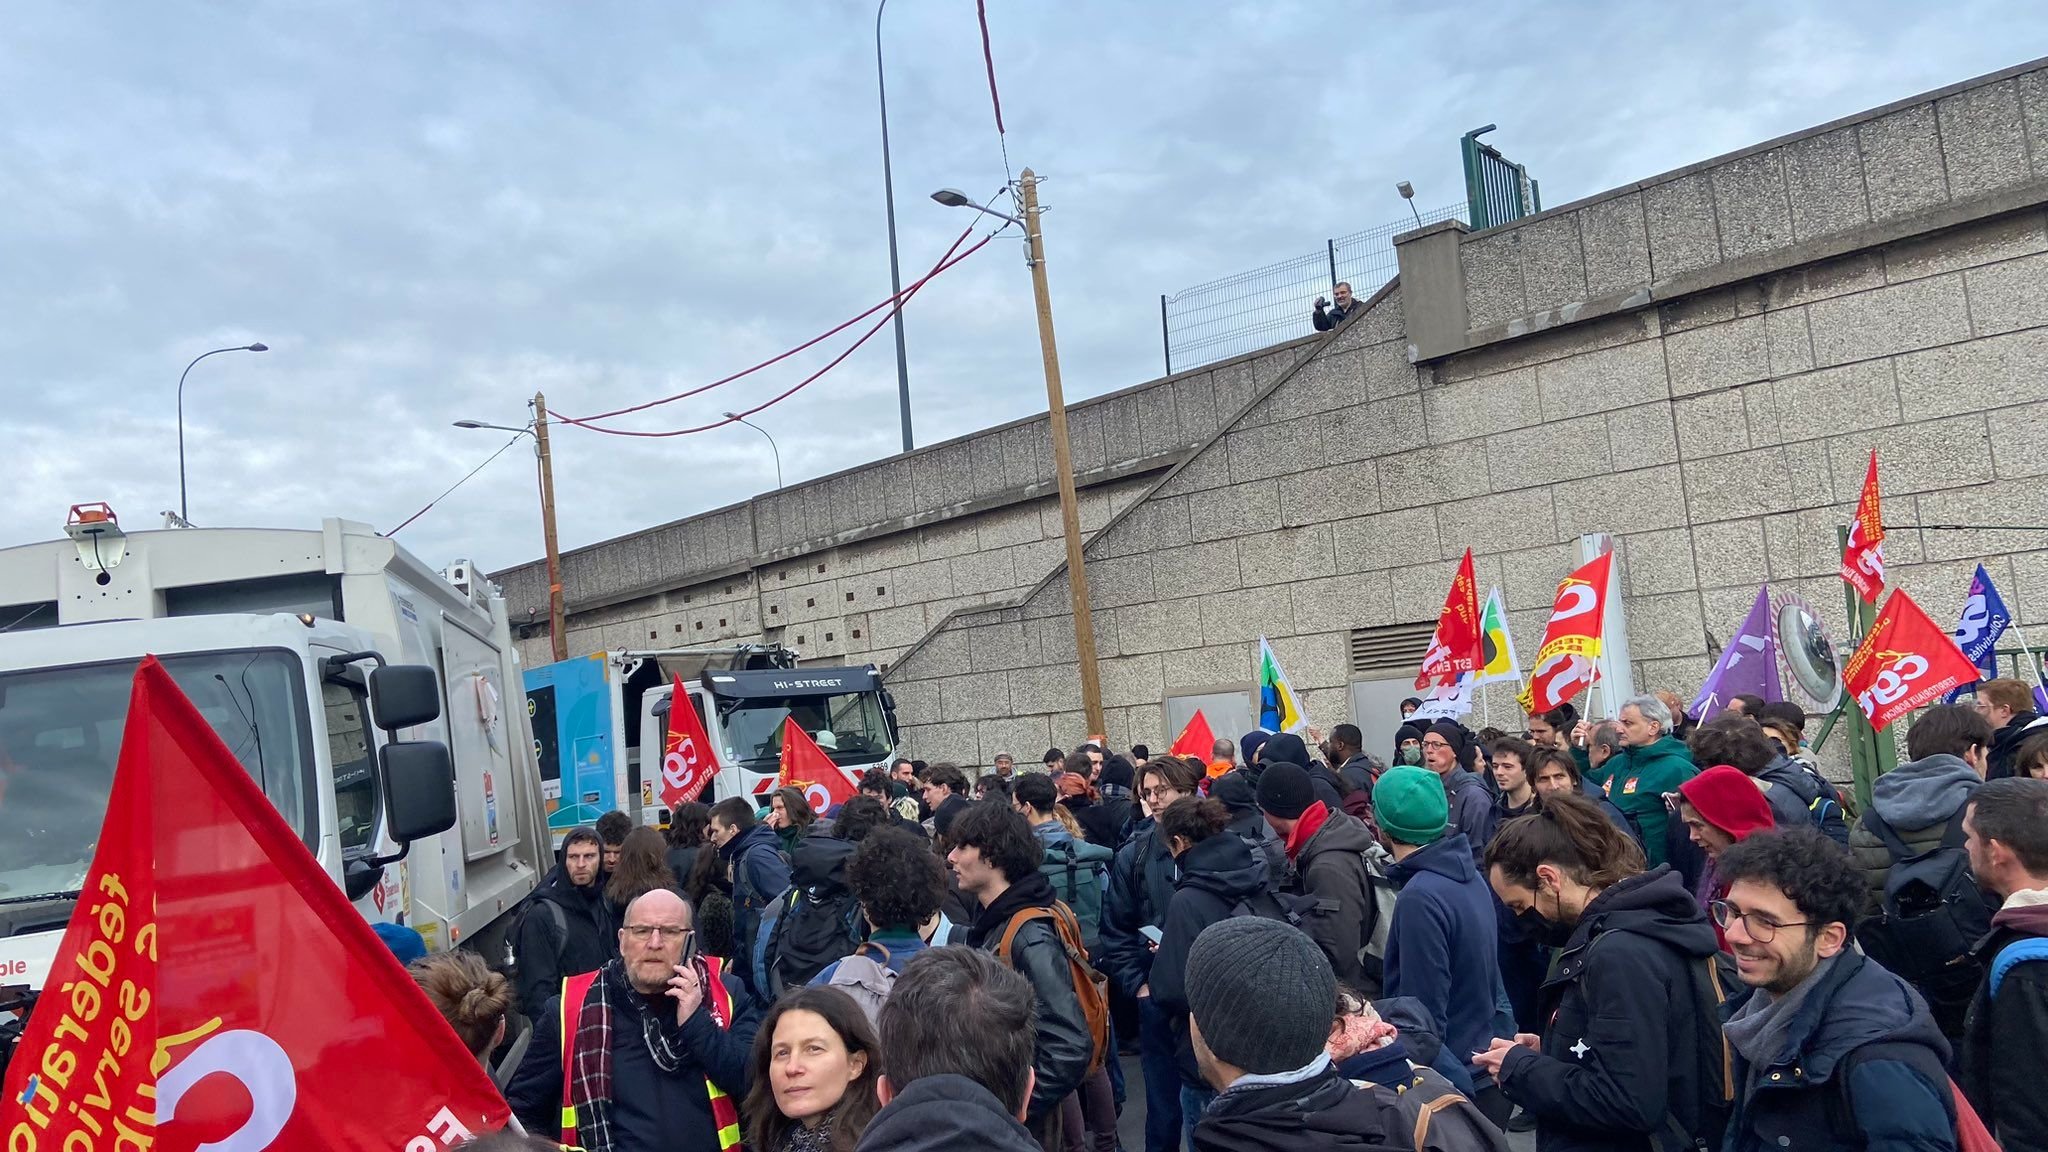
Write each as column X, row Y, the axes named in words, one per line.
column 849, row 726
column 60, row 734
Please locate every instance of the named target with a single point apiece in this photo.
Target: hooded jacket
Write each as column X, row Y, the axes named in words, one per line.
column 1140, row 888
column 2005, row 743
column 1638, row 777
column 1216, row 875
column 1323, row 1112
column 1862, row 1041
column 760, row 877
column 1918, row 799
column 1793, row 788
column 943, row 1114
column 2004, row 1051
column 1063, row 1045
column 1442, row 947
column 1329, row 870
column 547, row 955
column 1626, row 1030
column 1472, row 809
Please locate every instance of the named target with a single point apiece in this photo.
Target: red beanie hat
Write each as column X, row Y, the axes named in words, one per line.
column 1729, row 800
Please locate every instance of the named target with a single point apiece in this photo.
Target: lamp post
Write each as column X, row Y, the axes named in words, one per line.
column 895, row 274
column 558, row 635
column 185, row 513
column 1062, row 457
column 736, row 417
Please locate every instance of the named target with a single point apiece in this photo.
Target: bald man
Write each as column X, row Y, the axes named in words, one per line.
column 680, row 1028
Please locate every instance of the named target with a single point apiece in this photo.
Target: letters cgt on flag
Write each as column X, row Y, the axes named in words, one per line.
column 688, row 761
column 1566, row 662
column 1456, row 647
column 211, row 964
column 1863, row 556
column 805, row 766
column 1906, row 662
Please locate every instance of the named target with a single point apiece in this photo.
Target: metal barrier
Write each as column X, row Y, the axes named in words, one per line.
column 1497, row 190
column 1265, row 306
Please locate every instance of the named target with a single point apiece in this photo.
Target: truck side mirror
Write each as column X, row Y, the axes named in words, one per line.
column 403, row 695
column 419, row 789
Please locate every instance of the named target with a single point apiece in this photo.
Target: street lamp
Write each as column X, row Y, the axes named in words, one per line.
column 895, row 274
column 771, row 444
column 558, row 634
column 185, row 513
column 1062, row 457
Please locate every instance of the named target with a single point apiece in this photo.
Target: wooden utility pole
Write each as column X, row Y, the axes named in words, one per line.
column 558, row 634
column 1063, row 465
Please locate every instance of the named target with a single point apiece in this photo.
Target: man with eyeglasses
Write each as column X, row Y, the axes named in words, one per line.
column 1140, row 888
column 1831, row 1050
column 657, row 1045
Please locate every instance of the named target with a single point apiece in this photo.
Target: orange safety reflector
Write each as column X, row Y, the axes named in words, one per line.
column 95, row 513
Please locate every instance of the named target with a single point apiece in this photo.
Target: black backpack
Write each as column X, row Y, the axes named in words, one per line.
column 1712, row 977
column 817, row 926
column 1931, row 919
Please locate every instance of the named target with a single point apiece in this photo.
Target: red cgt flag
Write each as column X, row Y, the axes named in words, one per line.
column 1566, row 663
column 1457, row 647
column 1906, row 662
column 1194, row 740
column 1863, row 556
column 213, row 965
column 806, row 766
column 688, row 761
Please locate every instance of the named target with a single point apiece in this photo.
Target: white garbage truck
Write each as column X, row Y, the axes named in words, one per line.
column 377, row 702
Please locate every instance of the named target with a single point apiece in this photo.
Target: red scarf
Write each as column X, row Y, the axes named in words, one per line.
column 1312, row 820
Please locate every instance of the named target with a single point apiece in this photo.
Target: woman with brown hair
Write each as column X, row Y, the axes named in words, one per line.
column 789, row 813
column 814, row 1068
column 643, row 867
column 475, row 1001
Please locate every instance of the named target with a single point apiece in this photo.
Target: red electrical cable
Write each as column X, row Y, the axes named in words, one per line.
column 988, row 58
column 773, row 360
column 585, row 422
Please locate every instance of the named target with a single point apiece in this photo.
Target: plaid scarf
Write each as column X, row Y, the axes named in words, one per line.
column 590, row 1068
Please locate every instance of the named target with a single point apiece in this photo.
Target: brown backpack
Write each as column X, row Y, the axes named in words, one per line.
column 1090, row 987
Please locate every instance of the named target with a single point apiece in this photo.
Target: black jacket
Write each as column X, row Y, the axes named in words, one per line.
column 1105, row 823
column 1329, row 316
column 945, row 1113
column 1140, row 888
column 1329, row 871
column 2003, row 1052
column 1215, row 876
column 547, row 955
column 2005, row 744
column 651, row 1109
column 1323, row 1112
column 1793, row 788
column 1861, row 1068
column 1360, row 772
column 1626, row 1032
column 1063, row 1045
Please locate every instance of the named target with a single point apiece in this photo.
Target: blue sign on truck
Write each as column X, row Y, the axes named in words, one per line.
column 574, row 729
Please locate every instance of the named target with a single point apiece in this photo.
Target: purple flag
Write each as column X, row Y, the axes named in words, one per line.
column 1748, row 664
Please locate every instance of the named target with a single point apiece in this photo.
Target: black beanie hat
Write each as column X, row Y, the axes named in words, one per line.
column 1284, row 791
column 1234, row 791
column 1455, row 735
column 1118, row 771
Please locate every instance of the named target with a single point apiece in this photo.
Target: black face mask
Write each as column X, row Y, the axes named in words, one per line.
column 1541, row 929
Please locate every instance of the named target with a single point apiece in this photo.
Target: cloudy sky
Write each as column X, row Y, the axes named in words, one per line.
column 430, row 211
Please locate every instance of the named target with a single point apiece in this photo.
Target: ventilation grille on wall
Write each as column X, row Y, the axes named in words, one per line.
column 1392, row 648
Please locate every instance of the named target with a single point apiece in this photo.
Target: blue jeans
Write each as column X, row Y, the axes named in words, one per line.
column 1193, row 1102
column 1162, row 1079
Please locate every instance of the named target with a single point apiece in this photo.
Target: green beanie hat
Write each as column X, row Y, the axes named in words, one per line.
column 1411, row 806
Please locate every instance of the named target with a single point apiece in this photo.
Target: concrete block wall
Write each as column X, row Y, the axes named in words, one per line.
column 1717, row 424
column 858, row 566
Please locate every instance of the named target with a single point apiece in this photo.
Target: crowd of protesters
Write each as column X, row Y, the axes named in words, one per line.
column 1639, row 933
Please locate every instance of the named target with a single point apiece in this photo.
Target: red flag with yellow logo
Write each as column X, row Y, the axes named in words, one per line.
column 1195, row 740
column 1456, row 648
column 1566, row 663
column 215, row 989
column 805, row 766
column 688, row 761
column 1908, row 661
column 1863, row 555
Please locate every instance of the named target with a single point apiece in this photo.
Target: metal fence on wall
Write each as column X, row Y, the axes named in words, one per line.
column 1265, row 306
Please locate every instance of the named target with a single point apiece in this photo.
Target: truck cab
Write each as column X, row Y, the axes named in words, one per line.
column 284, row 640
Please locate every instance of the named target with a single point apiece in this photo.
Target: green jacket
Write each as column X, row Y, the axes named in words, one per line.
column 1638, row 778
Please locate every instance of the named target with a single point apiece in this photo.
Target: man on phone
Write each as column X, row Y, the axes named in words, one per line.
column 1327, row 315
